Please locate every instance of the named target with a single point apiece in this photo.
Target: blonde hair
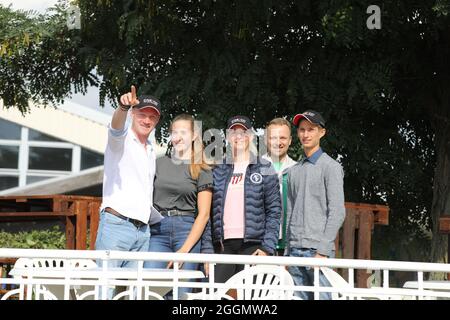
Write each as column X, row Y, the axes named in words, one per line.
column 197, row 163
column 279, row 122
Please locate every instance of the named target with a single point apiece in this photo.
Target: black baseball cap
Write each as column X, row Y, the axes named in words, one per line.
column 239, row 120
column 148, row 102
column 310, row 115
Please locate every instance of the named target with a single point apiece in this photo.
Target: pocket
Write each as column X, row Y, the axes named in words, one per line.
column 187, row 219
column 112, row 219
column 303, row 252
column 310, row 253
column 155, row 228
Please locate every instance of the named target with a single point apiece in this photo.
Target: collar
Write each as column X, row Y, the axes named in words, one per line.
column 315, row 156
column 135, row 138
column 286, row 162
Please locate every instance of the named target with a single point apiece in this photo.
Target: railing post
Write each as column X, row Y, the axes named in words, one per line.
column 364, row 244
column 80, row 210
column 94, row 207
column 63, row 205
column 316, row 283
column 348, row 237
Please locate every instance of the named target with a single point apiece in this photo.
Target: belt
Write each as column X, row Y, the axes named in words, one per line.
column 136, row 223
column 174, row 212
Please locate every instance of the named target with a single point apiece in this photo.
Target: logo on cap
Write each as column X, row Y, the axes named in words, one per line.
column 151, row 101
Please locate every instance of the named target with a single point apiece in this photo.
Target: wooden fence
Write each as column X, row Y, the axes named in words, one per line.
column 354, row 240
column 74, row 211
column 444, row 228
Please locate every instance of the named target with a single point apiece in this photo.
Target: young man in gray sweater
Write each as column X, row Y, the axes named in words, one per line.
column 315, row 206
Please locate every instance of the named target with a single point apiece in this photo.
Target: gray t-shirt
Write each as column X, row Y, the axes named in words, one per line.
column 174, row 187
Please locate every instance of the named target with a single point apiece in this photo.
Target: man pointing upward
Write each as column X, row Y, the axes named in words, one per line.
column 128, row 177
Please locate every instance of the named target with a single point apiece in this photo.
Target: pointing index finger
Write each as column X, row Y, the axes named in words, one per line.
column 133, row 93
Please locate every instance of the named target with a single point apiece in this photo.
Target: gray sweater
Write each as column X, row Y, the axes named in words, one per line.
column 315, row 206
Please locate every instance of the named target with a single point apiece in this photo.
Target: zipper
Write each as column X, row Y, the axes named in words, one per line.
column 222, row 248
column 245, row 198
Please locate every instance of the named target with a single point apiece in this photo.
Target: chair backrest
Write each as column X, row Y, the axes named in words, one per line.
column 269, row 276
column 336, row 281
column 57, row 264
column 52, row 292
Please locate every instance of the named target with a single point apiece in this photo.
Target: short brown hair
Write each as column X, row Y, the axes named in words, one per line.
column 279, row 122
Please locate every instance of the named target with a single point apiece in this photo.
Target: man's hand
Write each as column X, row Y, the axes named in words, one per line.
column 318, row 255
column 206, row 267
column 129, row 99
column 259, row 252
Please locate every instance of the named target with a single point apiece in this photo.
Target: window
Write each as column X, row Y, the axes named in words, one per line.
column 56, row 159
column 32, row 179
column 34, row 135
column 9, row 157
column 9, row 130
column 90, row 159
column 7, row 182
column 29, row 156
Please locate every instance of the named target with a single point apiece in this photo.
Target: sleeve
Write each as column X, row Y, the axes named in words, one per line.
column 116, row 137
column 206, row 240
column 334, row 187
column 272, row 206
column 289, row 208
column 205, row 180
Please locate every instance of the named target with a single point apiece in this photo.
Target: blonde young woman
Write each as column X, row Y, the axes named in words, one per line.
column 182, row 194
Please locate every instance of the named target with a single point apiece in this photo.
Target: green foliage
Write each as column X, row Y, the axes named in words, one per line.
column 39, row 59
column 36, row 239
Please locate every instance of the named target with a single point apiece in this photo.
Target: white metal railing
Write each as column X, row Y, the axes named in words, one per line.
column 34, row 282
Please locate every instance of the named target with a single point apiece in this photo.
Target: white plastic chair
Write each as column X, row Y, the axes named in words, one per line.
column 337, row 281
column 260, row 275
column 53, row 291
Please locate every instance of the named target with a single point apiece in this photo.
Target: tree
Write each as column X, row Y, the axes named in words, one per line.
column 384, row 91
column 39, row 59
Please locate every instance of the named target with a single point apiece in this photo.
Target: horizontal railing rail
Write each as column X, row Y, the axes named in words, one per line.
column 34, row 280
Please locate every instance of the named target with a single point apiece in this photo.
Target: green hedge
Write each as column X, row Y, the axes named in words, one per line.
column 52, row 238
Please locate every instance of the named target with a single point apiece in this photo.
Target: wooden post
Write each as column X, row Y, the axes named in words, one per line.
column 94, row 213
column 364, row 245
column 348, row 237
column 80, row 210
column 444, row 228
column 337, row 246
column 62, row 205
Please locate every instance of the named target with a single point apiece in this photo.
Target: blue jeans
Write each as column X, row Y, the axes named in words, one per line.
column 304, row 276
column 169, row 235
column 114, row 233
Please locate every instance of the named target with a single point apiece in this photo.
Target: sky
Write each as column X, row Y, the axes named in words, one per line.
column 36, row 5
column 91, row 99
